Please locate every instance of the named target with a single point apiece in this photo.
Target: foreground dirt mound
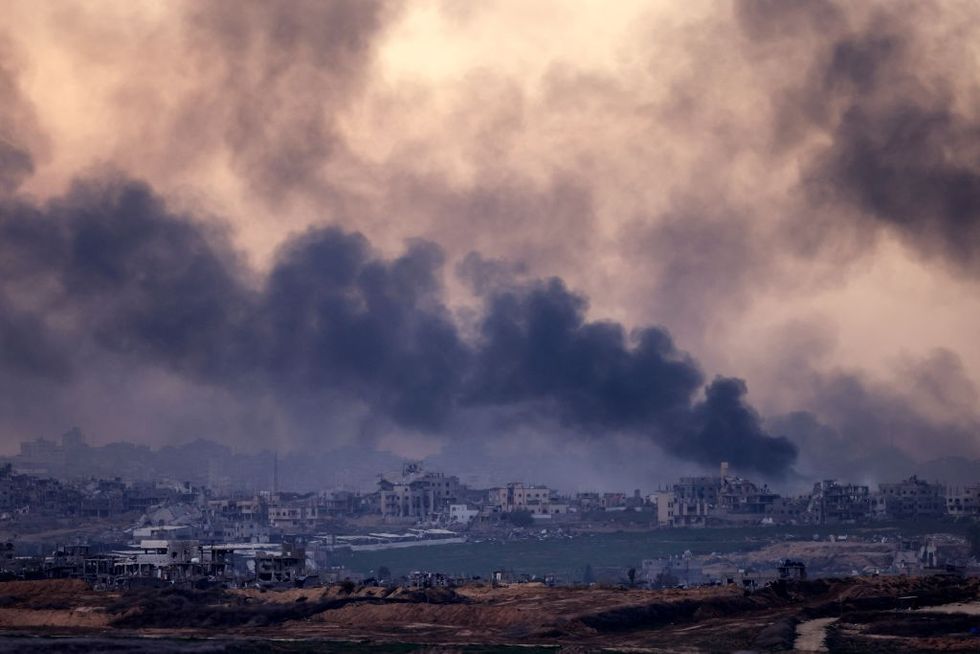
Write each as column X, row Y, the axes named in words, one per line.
column 51, row 603
column 462, row 615
column 176, row 608
column 44, row 593
column 706, row 619
column 77, row 618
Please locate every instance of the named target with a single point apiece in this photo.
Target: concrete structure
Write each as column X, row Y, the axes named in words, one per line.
column 833, row 503
column 462, row 514
column 791, row 511
column 418, row 495
column 287, row 566
column 674, row 511
column 517, row 496
column 913, row 499
column 699, row 489
column 963, row 501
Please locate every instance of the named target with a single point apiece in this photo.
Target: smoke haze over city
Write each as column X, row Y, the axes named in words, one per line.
column 595, row 243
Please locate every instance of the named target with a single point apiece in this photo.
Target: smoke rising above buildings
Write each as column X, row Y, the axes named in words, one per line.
column 108, row 269
column 655, row 194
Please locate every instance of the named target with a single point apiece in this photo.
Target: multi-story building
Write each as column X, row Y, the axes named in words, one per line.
column 418, row 494
column 517, row 496
column 913, row 499
column 791, row 511
column 963, row 501
column 699, row 489
column 833, row 503
column 739, row 496
column 674, row 511
column 293, row 516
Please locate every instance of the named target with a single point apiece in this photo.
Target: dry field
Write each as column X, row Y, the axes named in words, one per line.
column 863, row 612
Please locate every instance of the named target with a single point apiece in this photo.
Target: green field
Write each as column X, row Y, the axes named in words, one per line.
column 608, row 554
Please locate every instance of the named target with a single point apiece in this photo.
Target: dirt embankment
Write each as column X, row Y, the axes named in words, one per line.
column 706, row 619
column 54, row 603
column 826, row 555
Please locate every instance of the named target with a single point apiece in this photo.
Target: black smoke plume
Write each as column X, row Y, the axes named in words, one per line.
column 108, row 269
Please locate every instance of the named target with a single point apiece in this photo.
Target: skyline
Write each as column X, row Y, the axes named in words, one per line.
column 742, row 232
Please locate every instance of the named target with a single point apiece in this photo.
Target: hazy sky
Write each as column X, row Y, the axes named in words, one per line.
column 414, row 224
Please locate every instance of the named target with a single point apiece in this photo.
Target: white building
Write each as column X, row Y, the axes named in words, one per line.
column 462, row 514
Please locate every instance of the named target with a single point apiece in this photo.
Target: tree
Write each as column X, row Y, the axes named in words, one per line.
column 587, row 576
column 384, row 573
column 632, row 576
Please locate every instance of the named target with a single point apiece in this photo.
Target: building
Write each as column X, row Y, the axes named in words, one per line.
column 833, row 503
column 699, row 489
column 418, row 494
column 517, row 496
column 791, row 511
column 674, row 511
column 294, row 513
column 742, row 500
column 913, row 499
column 462, row 514
column 287, row 566
column 963, row 501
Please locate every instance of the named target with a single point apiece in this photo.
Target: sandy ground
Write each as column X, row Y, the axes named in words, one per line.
column 811, row 636
column 581, row 619
column 87, row 618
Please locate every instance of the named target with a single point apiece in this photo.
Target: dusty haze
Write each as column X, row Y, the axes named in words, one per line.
column 673, row 232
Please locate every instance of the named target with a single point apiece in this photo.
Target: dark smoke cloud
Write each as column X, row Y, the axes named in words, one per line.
column 860, row 427
column 25, row 348
column 20, row 138
column 275, row 75
column 335, row 315
column 111, row 270
column 888, row 97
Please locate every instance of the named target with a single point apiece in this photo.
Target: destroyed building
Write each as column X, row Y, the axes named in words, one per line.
column 678, row 511
column 913, row 499
column 834, row 503
column 418, row 494
column 963, row 501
